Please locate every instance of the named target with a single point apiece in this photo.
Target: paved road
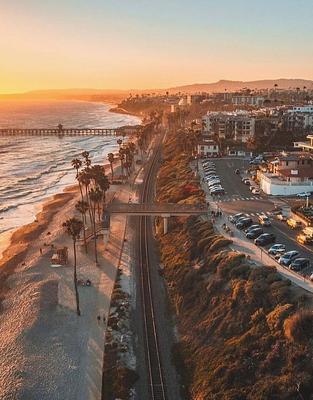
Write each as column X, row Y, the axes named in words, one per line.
column 238, row 198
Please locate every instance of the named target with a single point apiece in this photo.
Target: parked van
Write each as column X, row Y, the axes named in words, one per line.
column 264, row 220
column 293, row 224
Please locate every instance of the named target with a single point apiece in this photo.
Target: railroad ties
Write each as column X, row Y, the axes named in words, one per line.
column 60, row 132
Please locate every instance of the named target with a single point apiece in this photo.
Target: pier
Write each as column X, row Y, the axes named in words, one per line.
column 61, row 132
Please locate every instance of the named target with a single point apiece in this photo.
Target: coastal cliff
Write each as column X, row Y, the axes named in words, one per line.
column 244, row 332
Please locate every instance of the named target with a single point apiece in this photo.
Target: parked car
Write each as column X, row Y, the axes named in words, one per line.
column 234, row 218
column 214, row 183
column 288, row 257
column 256, row 190
column 264, row 220
column 277, row 248
column 299, row 264
column 264, row 239
column 254, row 226
column 244, row 223
column 304, row 239
column 216, row 191
column 304, row 194
column 254, row 233
column 237, row 171
column 281, row 217
column 212, row 178
column 293, row 223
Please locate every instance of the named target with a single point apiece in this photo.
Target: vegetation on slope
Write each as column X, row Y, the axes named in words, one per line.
column 245, row 333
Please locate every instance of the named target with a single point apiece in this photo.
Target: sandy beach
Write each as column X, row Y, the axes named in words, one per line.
column 46, row 351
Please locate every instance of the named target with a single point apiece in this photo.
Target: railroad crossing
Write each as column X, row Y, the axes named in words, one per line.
column 164, row 210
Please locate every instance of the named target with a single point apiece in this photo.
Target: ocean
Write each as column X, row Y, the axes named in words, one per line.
column 34, row 168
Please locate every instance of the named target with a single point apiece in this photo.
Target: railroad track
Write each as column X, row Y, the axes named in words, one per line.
column 155, row 373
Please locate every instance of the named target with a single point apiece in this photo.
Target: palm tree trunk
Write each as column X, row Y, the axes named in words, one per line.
column 75, row 279
column 111, row 164
column 84, row 229
column 89, row 204
column 95, row 233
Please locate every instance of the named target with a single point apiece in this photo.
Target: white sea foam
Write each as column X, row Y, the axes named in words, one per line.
column 33, row 168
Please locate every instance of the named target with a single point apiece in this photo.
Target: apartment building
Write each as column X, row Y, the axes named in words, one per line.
column 238, row 126
column 207, row 148
column 300, row 117
column 248, row 100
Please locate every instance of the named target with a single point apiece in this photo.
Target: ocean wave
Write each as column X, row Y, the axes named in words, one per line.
column 8, row 208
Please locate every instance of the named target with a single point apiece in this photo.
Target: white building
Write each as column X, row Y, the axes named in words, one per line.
column 299, row 117
column 238, row 126
column 289, row 174
column 305, row 146
column 207, row 148
column 247, row 100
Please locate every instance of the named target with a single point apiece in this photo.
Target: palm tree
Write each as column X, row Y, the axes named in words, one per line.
column 73, row 227
column 82, row 207
column 122, row 157
column 85, row 154
column 111, row 161
column 85, row 180
column 119, row 142
column 76, row 163
column 95, row 196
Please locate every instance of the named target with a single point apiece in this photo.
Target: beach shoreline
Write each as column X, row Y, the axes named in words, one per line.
column 119, row 110
column 22, row 238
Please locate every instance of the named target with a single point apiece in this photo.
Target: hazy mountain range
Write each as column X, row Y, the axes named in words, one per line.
column 113, row 95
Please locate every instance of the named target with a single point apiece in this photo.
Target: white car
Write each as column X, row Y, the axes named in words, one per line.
column 277, row 248
column 256, row 191
column 214, row 183
column 304, row 194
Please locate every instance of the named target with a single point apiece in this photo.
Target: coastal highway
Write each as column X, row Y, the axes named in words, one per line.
column 238, row 198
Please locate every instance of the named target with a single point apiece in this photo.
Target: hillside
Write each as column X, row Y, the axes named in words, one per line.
column 116, row 95
column 245, row 332
column 221, row 85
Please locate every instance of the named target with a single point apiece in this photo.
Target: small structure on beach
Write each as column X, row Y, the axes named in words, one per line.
column 60, row 256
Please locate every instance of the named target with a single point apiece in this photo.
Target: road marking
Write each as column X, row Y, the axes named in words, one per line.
column 252, row 215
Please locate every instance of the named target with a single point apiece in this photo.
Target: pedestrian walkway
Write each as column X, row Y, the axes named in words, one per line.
column 225, row 199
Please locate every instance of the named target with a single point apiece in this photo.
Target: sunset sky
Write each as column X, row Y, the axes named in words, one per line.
column 144, row 43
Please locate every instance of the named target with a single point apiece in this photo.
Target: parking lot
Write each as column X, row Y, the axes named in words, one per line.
column 239, row 199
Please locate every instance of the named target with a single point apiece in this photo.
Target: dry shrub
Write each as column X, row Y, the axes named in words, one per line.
column 260, row 273
column 219, row 243
column 238, row 290
column 258, row 317
column 299, row 327
column 276, row 318
column 232, row 260
column 273, row 277
column 241, row 271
